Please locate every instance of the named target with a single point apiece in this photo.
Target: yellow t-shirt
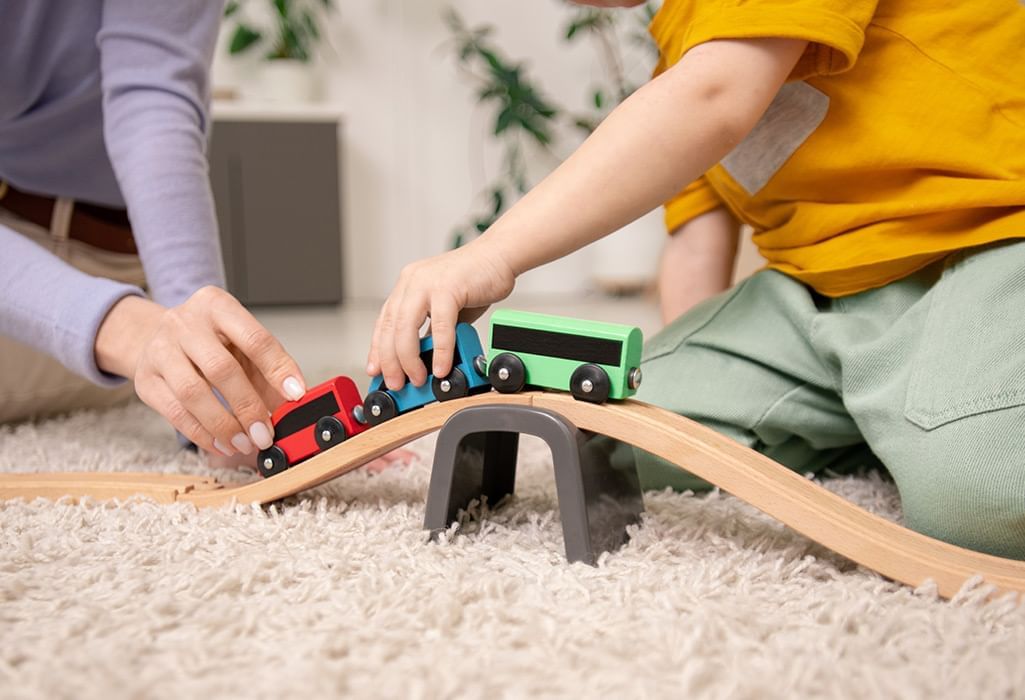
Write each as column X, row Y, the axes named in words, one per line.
column 898, row 138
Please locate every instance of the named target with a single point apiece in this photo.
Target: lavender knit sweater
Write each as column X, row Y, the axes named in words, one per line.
column 105, row 101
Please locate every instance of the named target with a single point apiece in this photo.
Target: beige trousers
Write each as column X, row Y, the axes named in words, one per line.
column 34, row 385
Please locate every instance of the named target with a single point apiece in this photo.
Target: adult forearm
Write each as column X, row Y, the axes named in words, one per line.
column 155, row 60
column 666, row 134
column 53, row 307
column 159, row 159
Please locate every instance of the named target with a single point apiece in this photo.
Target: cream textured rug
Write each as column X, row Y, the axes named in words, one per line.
column 336, row 593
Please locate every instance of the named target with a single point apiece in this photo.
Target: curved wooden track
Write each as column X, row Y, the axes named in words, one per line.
column 893, row 551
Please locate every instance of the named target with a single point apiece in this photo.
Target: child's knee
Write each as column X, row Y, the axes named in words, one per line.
column 978, row 511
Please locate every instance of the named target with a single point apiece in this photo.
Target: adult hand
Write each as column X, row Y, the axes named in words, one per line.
column 455, row 286
column 177, row 357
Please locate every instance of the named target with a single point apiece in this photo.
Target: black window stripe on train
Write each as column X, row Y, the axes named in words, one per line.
column 306, row 415
column 566, row 346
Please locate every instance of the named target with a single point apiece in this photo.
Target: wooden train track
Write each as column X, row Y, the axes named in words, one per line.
column 874, row 542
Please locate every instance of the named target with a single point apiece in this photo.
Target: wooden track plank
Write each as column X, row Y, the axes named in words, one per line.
column 352, row 453
column 162, row 488
column 894, row 551
column 879, row 544
column 112, row 477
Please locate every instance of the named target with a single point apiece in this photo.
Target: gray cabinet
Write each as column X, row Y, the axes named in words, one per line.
column 276, row 188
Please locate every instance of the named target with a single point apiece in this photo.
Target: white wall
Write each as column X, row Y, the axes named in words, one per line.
column 415, row 144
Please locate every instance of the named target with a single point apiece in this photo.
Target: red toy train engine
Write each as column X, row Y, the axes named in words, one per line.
column 325, row 416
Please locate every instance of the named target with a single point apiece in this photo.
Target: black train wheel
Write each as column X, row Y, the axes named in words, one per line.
column 378, row 407
column 507, row 373
column 454, row 386
column 590, row 383
column 329, row 432
column 271, row 461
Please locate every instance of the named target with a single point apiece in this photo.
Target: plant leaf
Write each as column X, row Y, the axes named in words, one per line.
column 586, row 125
column 243, row 37
column 497, row 201
column 311, row 24
column 539, row 133
column 504, row 120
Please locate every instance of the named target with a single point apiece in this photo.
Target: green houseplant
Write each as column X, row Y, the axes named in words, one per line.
column 524, row 117
column 286, row 33
column 527, row 122
column 294, row 32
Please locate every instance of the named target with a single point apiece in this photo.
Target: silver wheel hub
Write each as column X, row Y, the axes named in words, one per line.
column 325, row 435
column 375, row 411
column 268, row 463
column 634, row 380
column 446, row 385
column 503, row 374
column 587, row 386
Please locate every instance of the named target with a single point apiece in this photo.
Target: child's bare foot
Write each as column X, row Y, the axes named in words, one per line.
column 396, row 458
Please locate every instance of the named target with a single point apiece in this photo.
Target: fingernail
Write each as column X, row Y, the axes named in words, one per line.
column 223, row 450
column 260, row 435
column 242, row 444
column 293, row 389
column 371, row 370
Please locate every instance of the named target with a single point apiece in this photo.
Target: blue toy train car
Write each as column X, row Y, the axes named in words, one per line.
column 468, row 376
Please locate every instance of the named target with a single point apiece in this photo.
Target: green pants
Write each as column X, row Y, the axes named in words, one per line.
column 925, row 375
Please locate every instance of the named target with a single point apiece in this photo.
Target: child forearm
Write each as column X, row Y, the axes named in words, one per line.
column 665, row 135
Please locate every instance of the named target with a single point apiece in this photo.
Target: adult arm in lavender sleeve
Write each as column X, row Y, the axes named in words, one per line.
column 155, row 59
column 154, row 64
column 53, row 307
column 192, row 338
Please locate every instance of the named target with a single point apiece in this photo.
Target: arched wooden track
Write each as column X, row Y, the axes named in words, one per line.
column 893, row 551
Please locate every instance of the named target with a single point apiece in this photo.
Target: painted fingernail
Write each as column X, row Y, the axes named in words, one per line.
column 260, row 435
column 293, row 389
column 222, row 449
column 242, row 444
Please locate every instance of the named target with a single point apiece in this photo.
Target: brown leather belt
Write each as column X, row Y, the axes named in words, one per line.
column 100, row 227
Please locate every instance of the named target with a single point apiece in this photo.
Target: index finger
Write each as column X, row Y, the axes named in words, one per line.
column 444, row 313
column 262, row 348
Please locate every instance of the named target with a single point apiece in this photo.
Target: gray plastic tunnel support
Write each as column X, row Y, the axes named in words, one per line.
column 476, row 456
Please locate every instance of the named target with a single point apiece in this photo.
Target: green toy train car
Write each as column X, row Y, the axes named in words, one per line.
column 594, row 361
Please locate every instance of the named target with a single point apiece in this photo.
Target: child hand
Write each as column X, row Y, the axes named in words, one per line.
column 455, row 286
